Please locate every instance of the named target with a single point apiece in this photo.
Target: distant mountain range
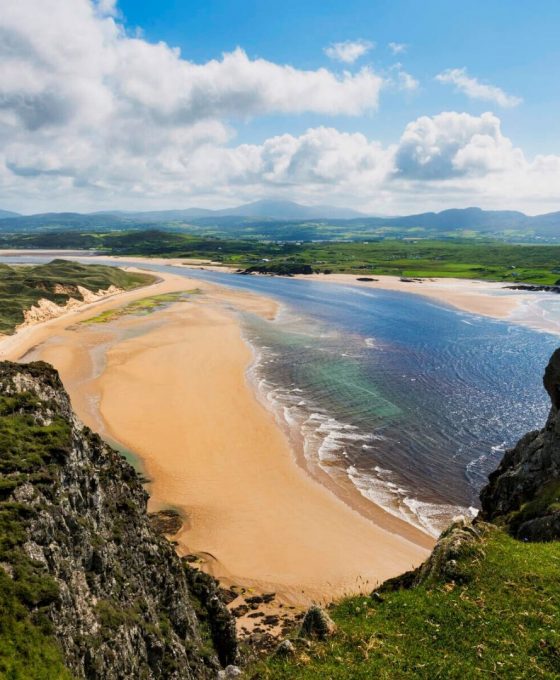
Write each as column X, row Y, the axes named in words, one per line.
column 265, row 209
column 291, row 221
column 8, row 213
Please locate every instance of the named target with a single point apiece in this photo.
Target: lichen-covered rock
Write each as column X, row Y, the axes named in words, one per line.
column 285, row 649
column 125, row 605
column 317, row 624
column 462, row 539
column 524, row 492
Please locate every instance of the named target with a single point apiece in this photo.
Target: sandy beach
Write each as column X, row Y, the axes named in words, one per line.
column 487, row 298
column 172, row 387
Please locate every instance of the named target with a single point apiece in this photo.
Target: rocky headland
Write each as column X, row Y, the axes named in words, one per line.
column 83, row 570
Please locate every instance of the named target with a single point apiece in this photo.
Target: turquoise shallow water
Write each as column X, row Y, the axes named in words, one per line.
column 410, row 401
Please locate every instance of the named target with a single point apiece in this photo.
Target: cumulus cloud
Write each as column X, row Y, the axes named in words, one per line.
column 348, row 51
column 397, row 48
column 474, row 89
column 92, row 117
column 453, row 144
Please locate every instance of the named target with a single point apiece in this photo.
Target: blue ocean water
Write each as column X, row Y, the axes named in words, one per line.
column 410, row 401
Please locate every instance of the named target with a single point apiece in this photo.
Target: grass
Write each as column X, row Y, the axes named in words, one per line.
column 144, row 306
column 502, row 621
column 22, row 287
column 458, row 257
column 28, row 451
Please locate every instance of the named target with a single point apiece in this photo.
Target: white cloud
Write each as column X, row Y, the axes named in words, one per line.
column 93, row 118
column 451, row 145
column 397, row 48
column 70, row 61
column 348, row 51
column 403, row 80
column 474, row 89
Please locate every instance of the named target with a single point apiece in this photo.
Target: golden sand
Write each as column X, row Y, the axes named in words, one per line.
column 172, row 388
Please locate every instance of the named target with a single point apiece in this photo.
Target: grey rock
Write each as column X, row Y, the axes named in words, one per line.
column 317, row 624
column 524, row 492
column 125, row 602
column 230, row 672
column 285, row 649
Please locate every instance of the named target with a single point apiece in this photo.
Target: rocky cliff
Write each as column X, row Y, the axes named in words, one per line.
column 524, row 492
column 85, row 580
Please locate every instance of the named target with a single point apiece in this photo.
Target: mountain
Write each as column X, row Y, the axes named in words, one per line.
column 88, row 586
column 288, row 221
column 264, row 209
column 288, row 210
column 462, row 218
column 8, row 213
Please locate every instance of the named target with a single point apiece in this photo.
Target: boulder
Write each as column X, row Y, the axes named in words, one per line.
column 317, row 624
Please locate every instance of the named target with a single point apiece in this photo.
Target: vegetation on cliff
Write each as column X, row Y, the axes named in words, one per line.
column 88, row 589
column 22, row 287
column 497, row 617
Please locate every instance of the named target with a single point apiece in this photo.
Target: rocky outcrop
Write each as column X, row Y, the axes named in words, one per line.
column 536, row 288
column 446, row 563
column 524, row 492
column 120, row 603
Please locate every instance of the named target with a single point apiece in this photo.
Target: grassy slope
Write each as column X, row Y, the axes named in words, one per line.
column 23, row 287
column 503, row 621
column 489, row 260
column 27, row 451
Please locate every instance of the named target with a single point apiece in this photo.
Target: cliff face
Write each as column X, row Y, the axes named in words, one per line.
column 524, row 492
column 80, row 555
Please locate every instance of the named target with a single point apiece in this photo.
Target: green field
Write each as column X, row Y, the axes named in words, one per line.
column 499, row 619
column 490, row 260
column 21, row 287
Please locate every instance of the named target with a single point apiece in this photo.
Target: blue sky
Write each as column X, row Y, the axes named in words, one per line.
column 513, row 44
column 387, row 107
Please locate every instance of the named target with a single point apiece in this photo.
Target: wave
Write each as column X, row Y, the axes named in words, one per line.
column 327, row 442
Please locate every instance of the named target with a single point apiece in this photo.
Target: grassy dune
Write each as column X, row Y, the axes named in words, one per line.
column 21, row 287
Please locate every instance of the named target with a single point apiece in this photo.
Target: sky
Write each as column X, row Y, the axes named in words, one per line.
column 388, row 107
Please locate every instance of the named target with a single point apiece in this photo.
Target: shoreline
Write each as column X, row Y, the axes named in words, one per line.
column 474, row 296
column 491, row 299
column 252, row 511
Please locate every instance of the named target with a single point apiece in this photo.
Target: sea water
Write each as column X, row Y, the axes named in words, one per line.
column 410, row 401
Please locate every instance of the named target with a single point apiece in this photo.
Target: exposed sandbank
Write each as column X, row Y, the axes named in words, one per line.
column 487, row 298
